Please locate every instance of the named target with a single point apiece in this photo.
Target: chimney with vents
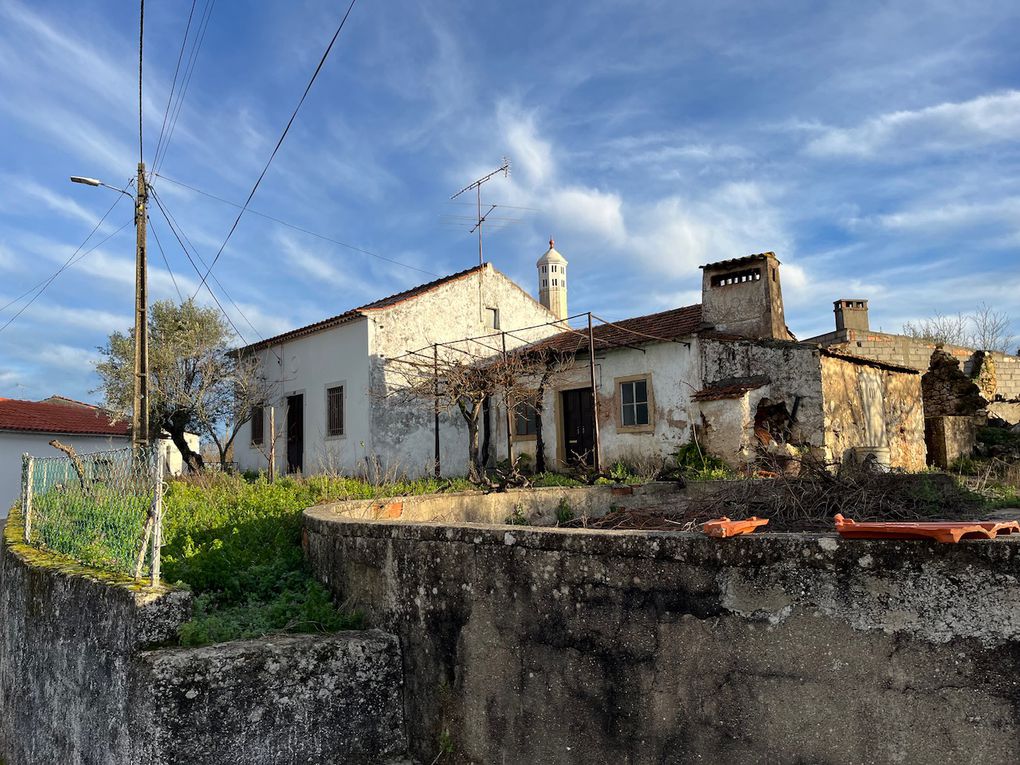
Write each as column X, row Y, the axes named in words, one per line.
column 851, row 314
column 743, row 297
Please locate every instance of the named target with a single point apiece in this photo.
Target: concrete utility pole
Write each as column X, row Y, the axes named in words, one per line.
column 140, row 406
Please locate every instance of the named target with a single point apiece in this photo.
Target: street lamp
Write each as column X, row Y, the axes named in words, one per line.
column 140, row 407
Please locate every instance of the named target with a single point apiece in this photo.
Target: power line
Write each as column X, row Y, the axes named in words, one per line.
column 172, row 220
column 279, row 143
column 299, row 228
column 42, row 286
column 199, row 271
column 173, row 85
column 189, row 70
column 141, row 34
column 165, row 261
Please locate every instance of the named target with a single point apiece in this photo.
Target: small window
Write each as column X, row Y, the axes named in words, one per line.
column 335, row 411
column 552, row 268
column 492, row 318
column 257, row 426
column 545, row 269
column 634, row 403
column 555, row 282
column 545, row 282
column 525, row 419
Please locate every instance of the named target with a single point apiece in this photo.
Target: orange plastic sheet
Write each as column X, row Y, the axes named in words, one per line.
column 949, row 532
column 724, row 527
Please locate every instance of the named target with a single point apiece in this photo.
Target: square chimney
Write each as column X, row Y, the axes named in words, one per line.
column 851, row 314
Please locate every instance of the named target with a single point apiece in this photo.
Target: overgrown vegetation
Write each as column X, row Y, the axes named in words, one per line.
column 237, row 545
column 694, row 464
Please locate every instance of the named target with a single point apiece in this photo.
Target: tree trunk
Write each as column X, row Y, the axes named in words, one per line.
column 486, row 431
column 474, row 469
column 175, row 426
column 539, row 434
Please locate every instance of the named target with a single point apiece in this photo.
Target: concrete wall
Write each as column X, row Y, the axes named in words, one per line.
column 871, row 407
column 78, row 685
column 402, row 432
column 555, row 646
column 948, row 438
column 309, row 365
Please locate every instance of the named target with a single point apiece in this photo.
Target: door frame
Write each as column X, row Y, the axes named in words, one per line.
column 286, row 432
column 560, row 415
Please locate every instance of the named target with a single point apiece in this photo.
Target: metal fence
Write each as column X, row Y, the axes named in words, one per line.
column 103, row 509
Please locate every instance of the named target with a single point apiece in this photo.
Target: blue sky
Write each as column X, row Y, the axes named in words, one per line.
column 874, row 146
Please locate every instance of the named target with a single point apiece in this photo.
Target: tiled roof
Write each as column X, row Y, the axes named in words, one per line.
column 734, row 388
column 655, row 327
column 739, row 261
column 47, row 417
column 357, row 313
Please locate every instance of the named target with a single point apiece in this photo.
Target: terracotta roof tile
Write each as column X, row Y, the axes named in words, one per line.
column 47, row 417
column 655, row 327
column 734, row 388
column 357, row 313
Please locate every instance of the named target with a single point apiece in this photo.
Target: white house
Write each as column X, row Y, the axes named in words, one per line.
column 330, row 377
column 27, row 427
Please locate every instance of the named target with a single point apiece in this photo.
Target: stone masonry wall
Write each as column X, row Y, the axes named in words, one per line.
column 79, row 684
column 568, row 646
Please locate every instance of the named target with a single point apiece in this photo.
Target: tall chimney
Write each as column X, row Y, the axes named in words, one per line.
column 851, row 314
column 552, row 281
column 743, row 296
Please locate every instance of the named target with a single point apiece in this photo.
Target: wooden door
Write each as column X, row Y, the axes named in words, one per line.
column 578, row 426
column 296, row 433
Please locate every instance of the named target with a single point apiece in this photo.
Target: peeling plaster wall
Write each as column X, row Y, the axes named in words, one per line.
column 560, row 646
column 871, row 407
column 672, row 373
column 79, row 687
column 793, row 371
column 309, row 365
column 402, row 433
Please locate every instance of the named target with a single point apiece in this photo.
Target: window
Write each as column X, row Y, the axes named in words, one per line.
column 525, row 419
column 553, row 269
column 545, row 282
column 257, row 426
column 492, row 318
column 554, row 282
column 545, row 269
column 335, row 411
column 634, row 403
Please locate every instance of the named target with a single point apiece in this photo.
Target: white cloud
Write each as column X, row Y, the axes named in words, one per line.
column 597, row 213
column 951, row 127
column 531, row 155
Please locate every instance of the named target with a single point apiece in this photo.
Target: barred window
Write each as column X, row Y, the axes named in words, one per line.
column 257, row 425
column 335, row 411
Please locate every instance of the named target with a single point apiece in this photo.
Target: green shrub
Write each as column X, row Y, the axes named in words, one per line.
column 697, row 465
column 555, row 479
column 564, row 513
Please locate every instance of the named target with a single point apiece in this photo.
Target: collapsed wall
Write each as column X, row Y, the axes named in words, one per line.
column 82, row 681
column 568, row 646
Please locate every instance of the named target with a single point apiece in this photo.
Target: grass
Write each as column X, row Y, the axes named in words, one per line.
column 237, row 545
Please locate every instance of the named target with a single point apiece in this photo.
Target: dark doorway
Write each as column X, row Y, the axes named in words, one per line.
column 296, row 433
column 578, row 427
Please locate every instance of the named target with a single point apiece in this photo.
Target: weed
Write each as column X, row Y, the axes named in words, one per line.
column 696, row 465
column 555, row 479
column 517, row 517
column 564, row 513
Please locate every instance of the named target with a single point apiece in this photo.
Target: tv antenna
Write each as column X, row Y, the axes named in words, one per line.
column 477, row 186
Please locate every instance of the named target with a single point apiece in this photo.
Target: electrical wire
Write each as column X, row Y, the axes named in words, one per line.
column 141, row 35
column 166, row 262
column 299, row 228
column 279, row 143
column 203, row 26
column 173, row 85
column 199, row 271
column 47, row 282
column 174, row 222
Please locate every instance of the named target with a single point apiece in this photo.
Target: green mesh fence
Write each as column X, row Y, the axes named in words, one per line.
column 97, row 508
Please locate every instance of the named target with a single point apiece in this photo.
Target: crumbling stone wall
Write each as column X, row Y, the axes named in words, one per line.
column 81, row 684
column 871, row 406
column 947, row 390
column 555, row 646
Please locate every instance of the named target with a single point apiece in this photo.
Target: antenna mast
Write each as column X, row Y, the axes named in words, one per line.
column 477, row 186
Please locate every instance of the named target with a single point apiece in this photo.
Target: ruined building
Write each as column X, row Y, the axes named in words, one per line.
column 726, row 372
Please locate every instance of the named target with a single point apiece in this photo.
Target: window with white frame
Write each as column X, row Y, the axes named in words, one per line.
column 634, row 403
column 335, row 411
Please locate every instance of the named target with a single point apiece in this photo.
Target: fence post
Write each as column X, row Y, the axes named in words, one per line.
column 157, row 517
column 28, row 473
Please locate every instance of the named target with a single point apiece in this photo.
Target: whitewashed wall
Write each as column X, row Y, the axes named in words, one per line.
column 674, row 374
column 14, row 444
column 310, row 365
column 403, row 435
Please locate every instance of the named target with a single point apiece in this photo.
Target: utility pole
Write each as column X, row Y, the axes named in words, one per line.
column 140, row 408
